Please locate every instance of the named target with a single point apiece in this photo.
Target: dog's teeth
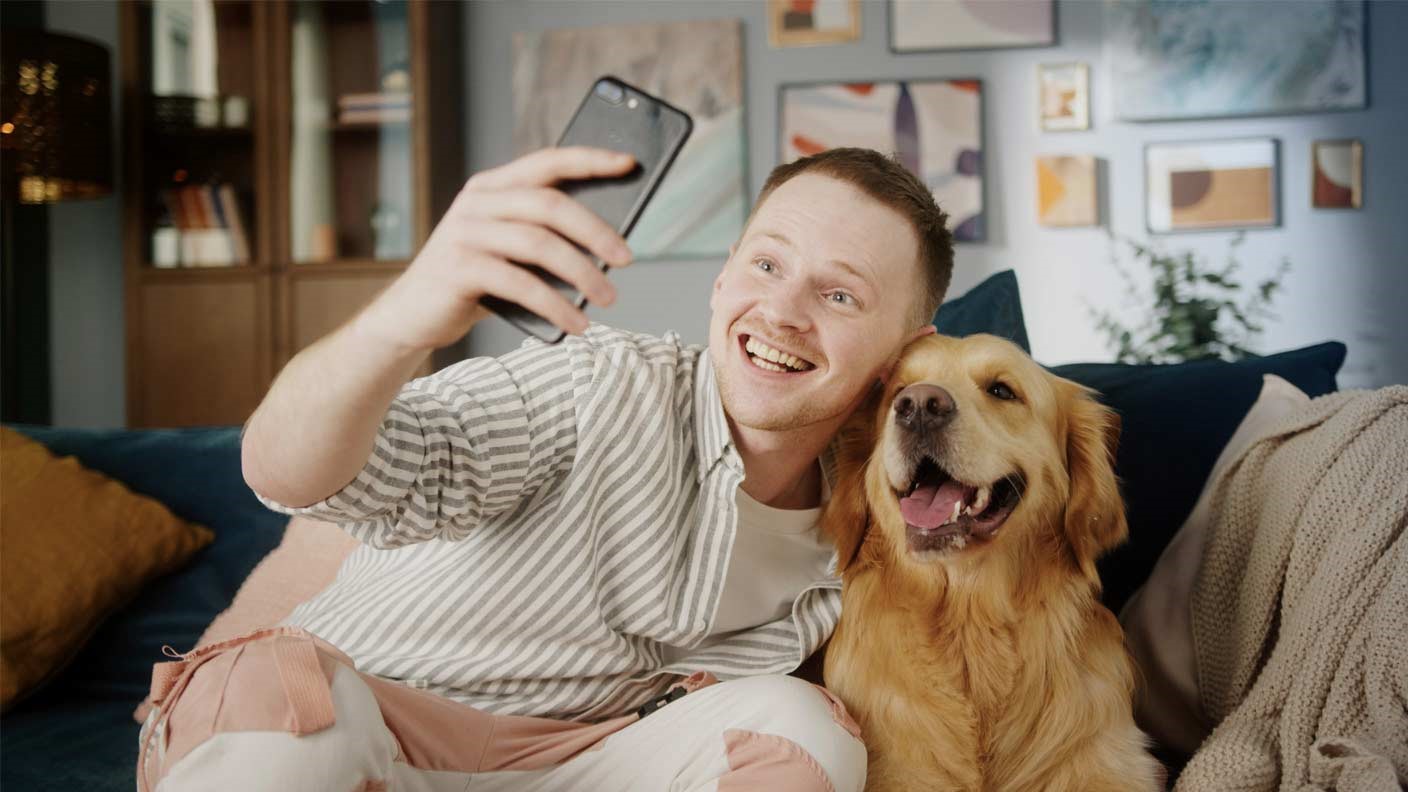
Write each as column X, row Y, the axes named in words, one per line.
column 957, row 508
column 980, row 503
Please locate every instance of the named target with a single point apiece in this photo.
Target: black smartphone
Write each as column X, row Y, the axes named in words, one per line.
column 618, row 116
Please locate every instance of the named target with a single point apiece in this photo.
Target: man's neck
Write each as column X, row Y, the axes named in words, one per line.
column 780, row 468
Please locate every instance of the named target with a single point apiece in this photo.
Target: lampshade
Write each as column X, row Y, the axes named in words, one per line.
column 55, row 117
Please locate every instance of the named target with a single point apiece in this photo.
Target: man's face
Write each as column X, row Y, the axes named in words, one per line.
column 825, row 275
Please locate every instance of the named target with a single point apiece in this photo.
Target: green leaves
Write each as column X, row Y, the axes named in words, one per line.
column 1190, row 310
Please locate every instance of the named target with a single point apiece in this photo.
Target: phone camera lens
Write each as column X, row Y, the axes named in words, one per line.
column 610, row 91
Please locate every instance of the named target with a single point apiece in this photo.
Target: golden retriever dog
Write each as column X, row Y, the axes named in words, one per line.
column 973, row 495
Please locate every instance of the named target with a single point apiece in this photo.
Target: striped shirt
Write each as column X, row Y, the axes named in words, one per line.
column 536, row 528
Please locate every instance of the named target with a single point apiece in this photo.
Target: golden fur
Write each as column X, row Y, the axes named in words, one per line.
column 992, row 665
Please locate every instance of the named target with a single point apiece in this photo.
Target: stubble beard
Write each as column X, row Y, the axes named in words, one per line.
column 806, row 414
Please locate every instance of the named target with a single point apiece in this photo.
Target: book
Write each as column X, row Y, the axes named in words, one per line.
column 383, row 116
column 374, row 100
column 234, row 221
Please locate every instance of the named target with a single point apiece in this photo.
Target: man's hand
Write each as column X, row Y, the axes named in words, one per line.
column 507, row 214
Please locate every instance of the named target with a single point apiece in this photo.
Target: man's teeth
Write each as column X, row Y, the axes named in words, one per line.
column 764, row 354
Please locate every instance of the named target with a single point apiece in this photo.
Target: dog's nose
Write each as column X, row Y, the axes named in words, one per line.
column 924, row 406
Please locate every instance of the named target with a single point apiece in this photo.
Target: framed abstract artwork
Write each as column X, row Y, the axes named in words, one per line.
column 698, row 209
column 933, row 127
column 1203, row 185
column 1172, row 60
column 1067, row 194
column 922, row 25
column 800, row 23
column 1065, row 96
column 1336, row 174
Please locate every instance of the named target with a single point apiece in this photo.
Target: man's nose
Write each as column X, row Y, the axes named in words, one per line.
column 924, row 407
column 786, row 306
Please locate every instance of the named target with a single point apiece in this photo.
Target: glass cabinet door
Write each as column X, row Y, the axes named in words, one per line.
column 200, row 93
column 350, row 154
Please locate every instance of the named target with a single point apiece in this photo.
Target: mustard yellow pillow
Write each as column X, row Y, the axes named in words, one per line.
column 75, row 546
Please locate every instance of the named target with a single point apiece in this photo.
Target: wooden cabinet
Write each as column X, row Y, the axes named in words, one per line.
column 285, row 161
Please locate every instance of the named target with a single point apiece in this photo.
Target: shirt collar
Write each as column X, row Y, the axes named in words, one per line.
column 712, row 438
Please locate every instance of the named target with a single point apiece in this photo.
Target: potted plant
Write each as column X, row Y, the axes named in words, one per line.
column 1191, row 308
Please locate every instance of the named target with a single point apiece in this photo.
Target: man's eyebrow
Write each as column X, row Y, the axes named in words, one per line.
column 845, row 265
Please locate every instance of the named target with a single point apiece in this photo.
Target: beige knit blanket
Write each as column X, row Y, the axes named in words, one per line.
column 1300, row 612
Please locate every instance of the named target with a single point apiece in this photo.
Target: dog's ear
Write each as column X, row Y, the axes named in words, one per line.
column 1095, row 520
column 846, row 520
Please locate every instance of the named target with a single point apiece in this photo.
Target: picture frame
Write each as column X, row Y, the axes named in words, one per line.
column 1228, row 60
column 934, row 126
column 1212, row 185
column 954, row 25
column 1337, row 174
column 806, row 23
column 1064, row 97
column 1068, row 191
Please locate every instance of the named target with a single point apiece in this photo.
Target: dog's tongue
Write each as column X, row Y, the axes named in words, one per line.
column 930, row 506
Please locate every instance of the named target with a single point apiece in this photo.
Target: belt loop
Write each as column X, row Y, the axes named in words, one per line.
column 308, row 690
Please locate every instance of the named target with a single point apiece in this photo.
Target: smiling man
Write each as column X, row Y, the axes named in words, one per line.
column 564, row 549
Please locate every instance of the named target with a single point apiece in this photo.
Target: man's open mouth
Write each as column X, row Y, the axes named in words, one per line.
column 943, row 513
column 770, row 358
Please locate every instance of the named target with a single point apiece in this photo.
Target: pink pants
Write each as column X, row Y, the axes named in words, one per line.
column 281, row 709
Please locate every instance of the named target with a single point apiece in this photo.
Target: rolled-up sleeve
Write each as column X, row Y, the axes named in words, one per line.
column 464, row 444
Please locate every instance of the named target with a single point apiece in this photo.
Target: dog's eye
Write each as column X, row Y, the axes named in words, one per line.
column 1001, row 391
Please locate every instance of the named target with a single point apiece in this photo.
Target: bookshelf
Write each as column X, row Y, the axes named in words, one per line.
column 286, row 160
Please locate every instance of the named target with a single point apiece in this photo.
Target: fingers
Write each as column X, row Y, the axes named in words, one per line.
column 516, row 284
column 545, row 206
column 551, row 165
column 536, row 245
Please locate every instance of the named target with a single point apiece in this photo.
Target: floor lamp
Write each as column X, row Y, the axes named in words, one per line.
column 55, row 145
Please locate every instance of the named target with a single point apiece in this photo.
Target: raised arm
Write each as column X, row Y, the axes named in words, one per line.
column 319, row 424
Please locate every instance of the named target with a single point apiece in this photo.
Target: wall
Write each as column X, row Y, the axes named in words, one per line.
column 1349, row 276
column 1350, row 279
column 87, row 340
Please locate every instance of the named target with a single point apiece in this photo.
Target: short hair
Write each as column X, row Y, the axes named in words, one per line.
column 889, row 182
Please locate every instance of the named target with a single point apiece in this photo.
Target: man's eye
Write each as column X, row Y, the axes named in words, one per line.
column 1001, row 391
column 764, row 265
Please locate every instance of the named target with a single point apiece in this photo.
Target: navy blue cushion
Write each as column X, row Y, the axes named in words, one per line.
column 79, row 728
column 993, row 306
column 1175, row 420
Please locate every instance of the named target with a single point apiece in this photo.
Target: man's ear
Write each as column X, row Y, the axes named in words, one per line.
column 1095, row 519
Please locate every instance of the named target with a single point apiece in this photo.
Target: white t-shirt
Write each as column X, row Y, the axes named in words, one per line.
column 776, row 554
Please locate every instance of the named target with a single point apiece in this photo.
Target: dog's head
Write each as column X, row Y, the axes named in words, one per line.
column 971, row 448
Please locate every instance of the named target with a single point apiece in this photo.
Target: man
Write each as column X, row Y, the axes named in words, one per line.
column 566, row 548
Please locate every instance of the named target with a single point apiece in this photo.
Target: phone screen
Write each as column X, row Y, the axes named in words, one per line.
column 620, row 117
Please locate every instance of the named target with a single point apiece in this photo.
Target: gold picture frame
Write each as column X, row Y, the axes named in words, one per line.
column 1337, row 174
column 799, row 29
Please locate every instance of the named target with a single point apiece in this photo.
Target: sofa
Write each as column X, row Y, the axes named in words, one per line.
column 78, row 733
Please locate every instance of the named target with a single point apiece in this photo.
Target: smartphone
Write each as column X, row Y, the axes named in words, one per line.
column 618, row 116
